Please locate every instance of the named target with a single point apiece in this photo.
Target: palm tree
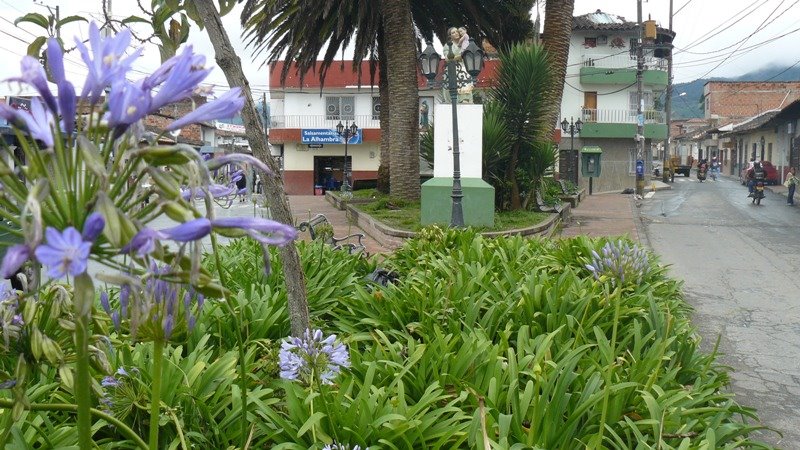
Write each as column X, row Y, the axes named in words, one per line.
column 523, row 79
column 401, row 77
column 556, row 36
column 301, row 30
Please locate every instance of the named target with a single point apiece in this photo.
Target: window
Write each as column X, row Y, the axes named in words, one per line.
column 340, row 108
column 589, row 42
column 769, row 151
column 376, row 108
column 633, row 101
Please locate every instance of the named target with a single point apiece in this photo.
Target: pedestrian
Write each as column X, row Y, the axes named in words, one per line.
column 791, row 183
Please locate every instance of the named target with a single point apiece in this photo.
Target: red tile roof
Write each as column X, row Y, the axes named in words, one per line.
column 341, row 74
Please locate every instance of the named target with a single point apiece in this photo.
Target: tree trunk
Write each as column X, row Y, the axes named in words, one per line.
column 383, row 87
column 401, row 74
column 231, row 65
column 555, row 39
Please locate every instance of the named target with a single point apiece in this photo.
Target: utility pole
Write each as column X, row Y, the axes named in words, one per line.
column 668, row 104
column 57, row 15
column 640, row 103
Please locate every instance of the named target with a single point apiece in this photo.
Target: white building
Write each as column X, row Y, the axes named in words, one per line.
column 600, row 90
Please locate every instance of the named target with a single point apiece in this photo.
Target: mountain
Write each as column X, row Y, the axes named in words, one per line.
column 687, row 98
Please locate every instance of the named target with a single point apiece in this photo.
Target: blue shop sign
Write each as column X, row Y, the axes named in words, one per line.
column 326, row 136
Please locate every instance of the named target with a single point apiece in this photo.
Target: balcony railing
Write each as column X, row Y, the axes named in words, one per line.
column 622, row 61
column 620, row 116
column 322, row 121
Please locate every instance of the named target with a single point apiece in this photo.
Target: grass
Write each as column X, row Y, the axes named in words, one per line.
column 403, row 215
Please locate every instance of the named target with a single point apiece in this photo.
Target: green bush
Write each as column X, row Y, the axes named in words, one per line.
column 482, row 343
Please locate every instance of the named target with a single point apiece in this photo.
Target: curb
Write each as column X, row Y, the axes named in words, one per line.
column 392, row 238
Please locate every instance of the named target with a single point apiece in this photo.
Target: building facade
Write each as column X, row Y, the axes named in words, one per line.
column 600, row 89
column 302, row 128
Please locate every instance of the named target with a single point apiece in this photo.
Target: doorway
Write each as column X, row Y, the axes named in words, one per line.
column 329, row 171
column 590, row 106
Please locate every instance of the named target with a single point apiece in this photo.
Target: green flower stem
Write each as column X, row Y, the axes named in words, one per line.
column 239, row 338
column 123, row 429
column 155, row 392
column 84, row 299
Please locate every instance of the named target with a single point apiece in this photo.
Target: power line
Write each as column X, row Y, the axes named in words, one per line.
column 760, row 27
column 679, row 9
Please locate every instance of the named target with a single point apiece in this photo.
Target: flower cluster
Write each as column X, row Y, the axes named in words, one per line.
column 160, row 304
column 312, row 358
column 620, row 262
column 336, row 446
column 11, row 321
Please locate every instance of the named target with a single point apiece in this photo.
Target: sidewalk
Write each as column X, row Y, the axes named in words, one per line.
column 606, row 214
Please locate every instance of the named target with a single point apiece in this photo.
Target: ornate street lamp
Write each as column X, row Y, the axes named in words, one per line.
column 472, row 58
column 346, row 132
column 573, row 128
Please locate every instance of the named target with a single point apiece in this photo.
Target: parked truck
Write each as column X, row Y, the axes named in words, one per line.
column 680, row 163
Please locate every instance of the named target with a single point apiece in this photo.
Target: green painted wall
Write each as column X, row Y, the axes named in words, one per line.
column 622, row 130
column 437, row 204
column 601, row 75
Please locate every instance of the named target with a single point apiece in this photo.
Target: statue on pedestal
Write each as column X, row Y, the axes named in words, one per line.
column 459, row 40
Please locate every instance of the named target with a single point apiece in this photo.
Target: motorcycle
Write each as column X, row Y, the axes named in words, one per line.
column 758, row 192
column 701, row 172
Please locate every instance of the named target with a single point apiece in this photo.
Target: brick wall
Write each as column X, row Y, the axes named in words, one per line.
column 738, row 100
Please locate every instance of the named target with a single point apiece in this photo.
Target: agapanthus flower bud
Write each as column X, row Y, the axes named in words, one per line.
column 93, row 227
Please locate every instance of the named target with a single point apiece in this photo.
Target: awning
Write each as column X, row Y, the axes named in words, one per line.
column 591, row 149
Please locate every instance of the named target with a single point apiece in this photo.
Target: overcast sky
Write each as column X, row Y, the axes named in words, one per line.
column 714, row 37
column 746, row 32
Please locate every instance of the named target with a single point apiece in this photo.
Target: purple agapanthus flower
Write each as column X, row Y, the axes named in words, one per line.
column 312, row 358
column 127, row 103
column 33, row 74
column 177, row 78
column 620, row 262
column 226, row 106
column 265, row 231
column 106, row 62
column 337, row 446
column 144, row 242
column 38, row 122
column 65, row 252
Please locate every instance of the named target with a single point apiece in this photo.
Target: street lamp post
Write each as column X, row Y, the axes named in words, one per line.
column 346, row 132
column 573, row 128
column 472, row 57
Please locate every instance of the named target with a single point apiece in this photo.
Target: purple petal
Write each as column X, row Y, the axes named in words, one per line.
column 15, row 257
column 189, row 231
column 225, row 107
column 66, row 91
column 237, row 158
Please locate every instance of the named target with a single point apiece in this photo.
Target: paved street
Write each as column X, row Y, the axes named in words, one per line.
column 740, row 265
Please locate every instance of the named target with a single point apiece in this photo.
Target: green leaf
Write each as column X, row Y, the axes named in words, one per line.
column 312, row 421
column 70, row 19
column 35, row 47
column 34, row 18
